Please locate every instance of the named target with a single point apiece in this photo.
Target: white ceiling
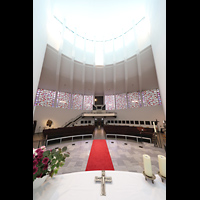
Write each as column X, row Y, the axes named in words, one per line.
column 101, row 19
column 86, row 79
column 93, row 16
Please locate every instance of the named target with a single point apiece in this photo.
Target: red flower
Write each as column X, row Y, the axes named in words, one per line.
column 38, row 159
column 38, row 150
column 35, row 162
column 35, row 169
column 45, row 160
column 45, row 167
column 40, row 154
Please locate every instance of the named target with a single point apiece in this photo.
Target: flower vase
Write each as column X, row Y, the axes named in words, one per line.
column 38, row 181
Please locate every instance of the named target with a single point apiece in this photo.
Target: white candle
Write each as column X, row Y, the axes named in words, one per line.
column 162, row 165
column 154, row 126
column 147, row 165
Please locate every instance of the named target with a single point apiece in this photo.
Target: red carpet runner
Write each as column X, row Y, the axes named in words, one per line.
column 99, row 158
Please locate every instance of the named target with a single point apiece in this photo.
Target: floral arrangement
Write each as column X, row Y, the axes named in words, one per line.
column 47, row 162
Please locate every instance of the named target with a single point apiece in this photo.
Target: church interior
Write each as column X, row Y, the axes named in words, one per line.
column 99, row 88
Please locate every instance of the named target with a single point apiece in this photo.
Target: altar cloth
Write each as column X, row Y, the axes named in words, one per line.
column 82, row 185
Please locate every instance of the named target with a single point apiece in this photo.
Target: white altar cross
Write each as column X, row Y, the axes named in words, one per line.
column 103, row 179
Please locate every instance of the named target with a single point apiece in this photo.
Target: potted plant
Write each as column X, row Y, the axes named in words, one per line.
column 47, row 162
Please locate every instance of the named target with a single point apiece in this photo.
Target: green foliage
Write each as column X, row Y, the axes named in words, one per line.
column 64, row 149
column 46, row 153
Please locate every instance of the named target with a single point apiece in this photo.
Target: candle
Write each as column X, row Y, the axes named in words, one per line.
column 147, row 165
column 154, row 127
column 162, row 165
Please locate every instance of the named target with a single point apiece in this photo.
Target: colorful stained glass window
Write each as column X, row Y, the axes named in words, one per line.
column 121, row 101
column 45, row 98
column 110, row 102
column 151, row 97
column 77, row 101
column 63, row 100
column 134, row 100
column 88, row 102
column 159, row 98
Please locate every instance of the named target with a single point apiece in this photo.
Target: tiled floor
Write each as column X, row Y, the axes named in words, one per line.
column 125, row 157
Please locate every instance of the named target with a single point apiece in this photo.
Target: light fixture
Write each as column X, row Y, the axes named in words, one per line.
column 95, row 100
column 49, row 123
column 134, row 101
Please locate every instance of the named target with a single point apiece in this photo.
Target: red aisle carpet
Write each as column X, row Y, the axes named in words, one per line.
column 99, row 158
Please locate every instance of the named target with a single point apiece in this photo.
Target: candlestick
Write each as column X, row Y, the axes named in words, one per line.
column 147, row 165
column 162, row 165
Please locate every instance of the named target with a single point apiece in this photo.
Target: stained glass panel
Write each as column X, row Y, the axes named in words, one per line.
column 45, row 98
column 77, row 101
column 110, row 102
column 134, row 100
column 150, row 97
column 88, row 102
column 159, row 98
column 63, row 100
column 121, row 102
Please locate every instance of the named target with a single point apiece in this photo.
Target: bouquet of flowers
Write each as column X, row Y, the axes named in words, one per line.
column 47, row 162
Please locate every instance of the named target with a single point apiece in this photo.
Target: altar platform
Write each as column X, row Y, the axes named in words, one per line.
column 82, row 185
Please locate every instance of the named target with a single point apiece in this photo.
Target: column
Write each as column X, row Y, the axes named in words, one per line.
column 94, row 74
column 104, row 64
column 83, row 74
column 114, row 69
column 59, row 61
column 125, row 67
column 138, row 61
column 72, row 67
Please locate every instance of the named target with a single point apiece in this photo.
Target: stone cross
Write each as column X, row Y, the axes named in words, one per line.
column 103, row 180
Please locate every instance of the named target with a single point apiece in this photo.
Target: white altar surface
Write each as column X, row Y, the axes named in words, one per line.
column 81, row 186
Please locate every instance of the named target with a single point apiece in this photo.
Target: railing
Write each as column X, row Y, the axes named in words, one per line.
column 73, row 120
column 101, row 111
column 71, row 136
column 133, row 136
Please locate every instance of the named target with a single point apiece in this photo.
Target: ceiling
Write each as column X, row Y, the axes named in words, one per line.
column 101, row 19
column 76, row 77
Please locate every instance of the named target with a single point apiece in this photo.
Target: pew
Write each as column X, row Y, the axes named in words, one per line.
column 67, row 131
column 129, row 130
column 109, row 129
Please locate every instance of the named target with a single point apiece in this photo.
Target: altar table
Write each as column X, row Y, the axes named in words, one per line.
column 82, row 186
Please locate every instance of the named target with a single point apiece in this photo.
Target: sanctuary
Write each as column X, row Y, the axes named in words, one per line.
column 99, row 88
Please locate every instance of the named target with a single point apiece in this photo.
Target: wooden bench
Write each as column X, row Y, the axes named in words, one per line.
column 129, row 131
column 67, row 132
